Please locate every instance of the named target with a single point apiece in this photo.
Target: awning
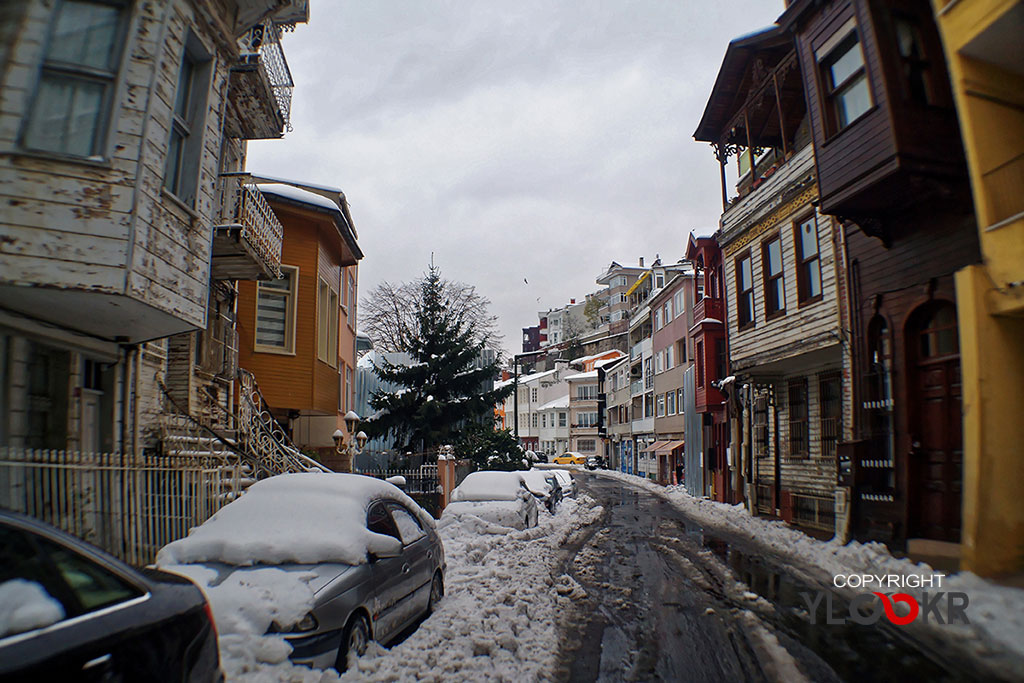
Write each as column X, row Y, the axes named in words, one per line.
column 669, row 446
column 654, row 446
column 637, row 283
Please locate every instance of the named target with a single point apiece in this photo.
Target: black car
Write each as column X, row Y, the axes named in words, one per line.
column 74, row 613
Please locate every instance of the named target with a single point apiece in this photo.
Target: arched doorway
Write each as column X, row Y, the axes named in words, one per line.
column 935, row 426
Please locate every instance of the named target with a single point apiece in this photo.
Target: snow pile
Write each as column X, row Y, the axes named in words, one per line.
column 489, row 486
column 25, row 605
column 996, row 612
column 537, row 482
column 260, row 527
column 244, row 605
column 498, row 618
column 487, row 516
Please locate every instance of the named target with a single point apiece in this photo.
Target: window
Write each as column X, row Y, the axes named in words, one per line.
column 700, row 363
column 74, row 97
column 586, row 419
column 681, row 351
column 659, row 363
column 744, row 291
column 829, row 391
column 586, row 392
column 666, row 313
column 657, row 319
column 648, row 405
column 91, row 586
column 845, row 80
column 349, row 389
column 668, row 359
column 659, row 280
column 352, row 298
column 533, row 395
column 808, row 272
column 275, row 312
column 670, row 403
column 533, row 421
column 721, row 359
column 586, row 445
column 544, row 420
column 774, row 286
column 563, row 420
column 661, row 405
column 913, row 60
column 679, row 400
column 379, row 521
column 327, row 324
column 408, row 526
column 798, row 418
column 184, row 148
column 677, row 302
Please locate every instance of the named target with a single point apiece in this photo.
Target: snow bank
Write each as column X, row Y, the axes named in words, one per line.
column 498, row 618
column 496, row 516
column 25, row 605
column 996, row 612
column 302, row 518
column 489, row 486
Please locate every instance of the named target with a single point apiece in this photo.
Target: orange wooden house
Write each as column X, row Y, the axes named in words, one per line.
column 297, row 333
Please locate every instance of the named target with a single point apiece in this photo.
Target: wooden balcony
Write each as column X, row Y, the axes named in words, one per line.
column 247, row 241
column 710, row 310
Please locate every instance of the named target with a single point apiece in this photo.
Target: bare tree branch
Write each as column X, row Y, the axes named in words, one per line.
column 387, row 315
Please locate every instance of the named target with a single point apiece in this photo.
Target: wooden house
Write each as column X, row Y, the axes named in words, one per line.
column 119, row 123
column 783, row 271
column 296, row 333
column 890, row 168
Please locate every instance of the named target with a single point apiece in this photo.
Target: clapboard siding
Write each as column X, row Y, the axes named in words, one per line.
column 113, row 216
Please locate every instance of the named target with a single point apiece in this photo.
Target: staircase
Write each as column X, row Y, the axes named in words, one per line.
column 249, row 433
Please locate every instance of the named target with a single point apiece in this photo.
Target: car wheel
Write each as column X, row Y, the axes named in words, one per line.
column 355, row 640
column 436, row 592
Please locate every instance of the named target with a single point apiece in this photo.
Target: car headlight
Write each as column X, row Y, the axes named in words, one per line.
column 303, row 625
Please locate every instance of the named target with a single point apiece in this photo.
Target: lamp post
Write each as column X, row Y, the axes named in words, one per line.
column 351, row 444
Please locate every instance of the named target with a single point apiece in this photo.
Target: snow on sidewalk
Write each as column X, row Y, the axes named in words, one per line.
column 996, row 612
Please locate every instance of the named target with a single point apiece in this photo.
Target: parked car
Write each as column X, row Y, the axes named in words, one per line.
column 570, row 458
column 501, row 498
column 595, row 462
column 566, row 482
column 543, row 484
column 71, row 612
column 377, row 561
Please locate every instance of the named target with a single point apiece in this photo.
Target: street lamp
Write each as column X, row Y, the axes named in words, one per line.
column 353, row 445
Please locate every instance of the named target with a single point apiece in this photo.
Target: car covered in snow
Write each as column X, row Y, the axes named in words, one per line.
column 566, row 482
column 328, row 562
column 71, row 612
column 545, row 487
column 571, row 458
column 501, row 498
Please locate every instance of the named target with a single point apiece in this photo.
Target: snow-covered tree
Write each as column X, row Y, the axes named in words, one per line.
column 490, row 449
column 447, row 385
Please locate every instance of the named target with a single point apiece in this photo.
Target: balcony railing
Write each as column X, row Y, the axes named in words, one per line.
column 262, row 44
column 259, row 233
column 708, row 308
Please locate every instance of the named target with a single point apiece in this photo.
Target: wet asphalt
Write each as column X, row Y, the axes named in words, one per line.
column 661, row 599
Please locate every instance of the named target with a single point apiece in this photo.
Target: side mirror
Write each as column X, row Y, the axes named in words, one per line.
column 382, row 547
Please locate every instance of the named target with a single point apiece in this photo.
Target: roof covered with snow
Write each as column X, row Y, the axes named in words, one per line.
column 297, row 194
column 560, row 402
column 583, row 375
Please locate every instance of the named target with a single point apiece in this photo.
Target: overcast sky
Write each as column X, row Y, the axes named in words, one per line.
column 525, row 144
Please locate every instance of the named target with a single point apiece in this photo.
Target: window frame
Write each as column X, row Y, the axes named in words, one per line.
column 745, row 295
column 828, row 54
column 190, row 125
column 327, row 330
column 100, row 152
column 291, row 311
column 802, row 280
column 799, row 428
column 768, row 279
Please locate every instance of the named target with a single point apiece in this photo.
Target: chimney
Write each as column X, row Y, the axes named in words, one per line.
column 572, row 301
column 641, row 261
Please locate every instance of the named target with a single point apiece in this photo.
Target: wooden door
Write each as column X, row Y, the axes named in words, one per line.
column 936, row 425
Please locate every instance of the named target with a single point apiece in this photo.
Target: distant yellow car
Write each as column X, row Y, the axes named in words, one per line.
column 571, row 458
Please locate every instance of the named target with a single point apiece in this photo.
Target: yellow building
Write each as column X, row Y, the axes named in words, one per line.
column 986, row 62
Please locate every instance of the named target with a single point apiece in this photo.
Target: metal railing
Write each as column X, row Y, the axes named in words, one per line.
column 127, row 504
column 244, row 205
column 262, row 43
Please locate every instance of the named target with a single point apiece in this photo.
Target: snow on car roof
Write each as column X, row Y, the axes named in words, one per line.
column 306, row 518
column 489, row 486
column 537, row 481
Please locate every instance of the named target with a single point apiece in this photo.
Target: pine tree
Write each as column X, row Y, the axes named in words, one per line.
column 443, row 389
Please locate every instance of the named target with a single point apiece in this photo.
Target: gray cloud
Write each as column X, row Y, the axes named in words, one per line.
column 535, row 140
